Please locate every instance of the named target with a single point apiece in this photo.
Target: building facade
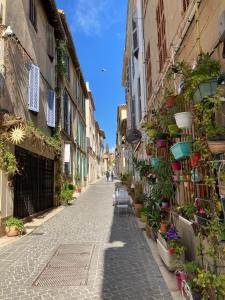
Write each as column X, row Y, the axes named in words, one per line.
column 29, row 32
column 121, row 152
column 73, row 122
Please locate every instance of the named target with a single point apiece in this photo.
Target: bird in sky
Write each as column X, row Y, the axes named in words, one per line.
column 103, row 70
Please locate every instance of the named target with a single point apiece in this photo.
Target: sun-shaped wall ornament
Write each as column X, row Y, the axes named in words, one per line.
column 17, row 134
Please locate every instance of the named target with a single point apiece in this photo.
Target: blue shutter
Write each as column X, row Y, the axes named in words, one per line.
column 51, row 109
column 33, row 89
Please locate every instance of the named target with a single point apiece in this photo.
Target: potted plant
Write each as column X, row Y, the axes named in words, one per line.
column 138, row 198
column 170, row 250
column 143, row 214
column 13, row 226
column 66, row 194
column 78, row 183
column 191, row 271
column 187, row 213
column 175, row 165
column 181, row 150
column 154, row 221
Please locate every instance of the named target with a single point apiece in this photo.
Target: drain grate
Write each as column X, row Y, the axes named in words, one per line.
column 69, row 266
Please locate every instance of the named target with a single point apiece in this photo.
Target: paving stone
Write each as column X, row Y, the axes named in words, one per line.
column 122, row 266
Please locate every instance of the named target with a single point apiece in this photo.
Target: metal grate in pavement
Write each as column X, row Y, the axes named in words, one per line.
column 69, row 266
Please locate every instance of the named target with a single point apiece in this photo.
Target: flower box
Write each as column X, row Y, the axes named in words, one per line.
column 176, row 166
column 181, row 150
column 169, row 260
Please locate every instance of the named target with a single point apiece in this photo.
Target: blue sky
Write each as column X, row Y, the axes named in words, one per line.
column 98, row 28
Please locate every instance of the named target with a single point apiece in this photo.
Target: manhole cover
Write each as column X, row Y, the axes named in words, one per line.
column 69, row 266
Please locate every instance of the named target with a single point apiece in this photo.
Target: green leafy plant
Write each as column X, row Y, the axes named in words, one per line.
column 188, row 211
column 66, row 194
column 15, row 222
column 8, row 161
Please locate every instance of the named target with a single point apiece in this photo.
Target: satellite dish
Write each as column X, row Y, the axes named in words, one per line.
column 133, row 136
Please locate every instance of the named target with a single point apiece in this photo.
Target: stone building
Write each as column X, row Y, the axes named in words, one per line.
column 121, row 154
column 29, row 30
column 74, row 93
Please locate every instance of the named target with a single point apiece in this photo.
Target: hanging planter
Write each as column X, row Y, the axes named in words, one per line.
column 206, row 88
column 181, row 150
column 183, row 120
column 216, row 144
column 152, row 133
column 154, row 161
column 176, row 166
column 170, row 100
column 161, row 143
column 173, row 129
column 175, row 178
column 195, row 157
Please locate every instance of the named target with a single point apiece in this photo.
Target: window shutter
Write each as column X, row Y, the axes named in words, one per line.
column 135, row 35
column 33, row 89
column 50, row 41
column 51, row 109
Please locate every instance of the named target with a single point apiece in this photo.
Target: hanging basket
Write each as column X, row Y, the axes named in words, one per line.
column 170, row 100
column 183, row 120
column 154, row 161
column 181, row 150
column 195, row 157
column 161, row 143
column 176, row 166
column 206, row 88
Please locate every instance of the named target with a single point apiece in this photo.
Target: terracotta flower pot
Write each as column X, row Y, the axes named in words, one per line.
column 176, row 166
column 11, row 231
column 170, row 100
column 137, row 206
column 175, row 178
column 78, row 190
column 148, row 152
column 195, row 157
column 163, row 227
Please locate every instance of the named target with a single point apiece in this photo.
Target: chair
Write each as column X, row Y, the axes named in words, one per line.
column 122, row 201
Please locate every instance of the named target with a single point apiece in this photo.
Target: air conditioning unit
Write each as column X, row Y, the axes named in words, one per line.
column 221, row 27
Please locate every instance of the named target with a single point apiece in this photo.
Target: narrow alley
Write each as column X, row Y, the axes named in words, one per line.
column 119, row 262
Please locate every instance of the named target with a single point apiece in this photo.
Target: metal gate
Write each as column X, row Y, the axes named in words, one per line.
column 34, row 184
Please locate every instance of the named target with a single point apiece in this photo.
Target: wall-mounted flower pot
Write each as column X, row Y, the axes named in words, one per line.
column 173, row 129
column 161, row 143
column 187, row 185
column 152, row 133
column 176, row 178
column 170, row 100
column 165, row 204
column 154, row 161
column 181, row 178
column 216, row 146
column 221, row 189
column 205, row 89
column 176, row 166
column 183, row 120
column 148, row 152
column 181, row 150
column 161, row 136
column 195, row 157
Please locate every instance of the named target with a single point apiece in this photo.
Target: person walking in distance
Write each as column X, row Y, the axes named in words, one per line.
column 112, row 175
column 107, row 175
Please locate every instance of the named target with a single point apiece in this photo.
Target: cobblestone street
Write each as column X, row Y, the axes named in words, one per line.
column 121, row 267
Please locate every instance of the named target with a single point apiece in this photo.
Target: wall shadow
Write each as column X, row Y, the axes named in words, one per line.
column 130, row 271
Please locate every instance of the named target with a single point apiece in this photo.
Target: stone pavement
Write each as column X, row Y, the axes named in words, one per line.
column 122, row 266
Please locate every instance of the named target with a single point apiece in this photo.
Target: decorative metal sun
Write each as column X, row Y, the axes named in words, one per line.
column 17, row 134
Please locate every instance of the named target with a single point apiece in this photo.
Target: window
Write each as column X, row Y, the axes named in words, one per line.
column 67, row 159
column 67, row 113
column 83, row 103
column 139, row 99
column 33, row 13
column 135, row 34
column 133, row 122
column 160, row 17
column 78, row 90
column 33, row 88
column 50, row 41
column 148, row 71
column 185, row 4
column 51, row 109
